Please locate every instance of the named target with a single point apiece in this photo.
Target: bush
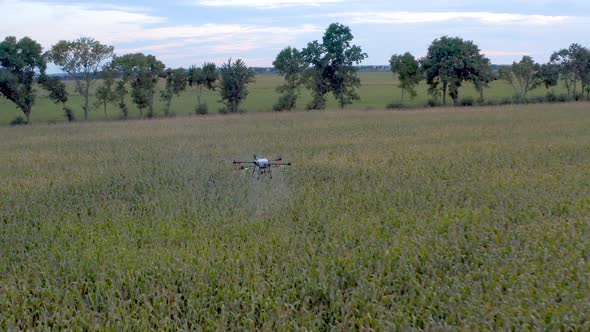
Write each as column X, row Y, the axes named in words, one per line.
column 394, row 105
column 562, row 98
column 69, row 114
column 286, row 102
column 432, row 103
column 202, row 109
column 19, row 120
column 467, row 101
column 223, row 110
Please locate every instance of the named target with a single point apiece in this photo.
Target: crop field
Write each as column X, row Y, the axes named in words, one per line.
column 377, row 90
column 454, row 219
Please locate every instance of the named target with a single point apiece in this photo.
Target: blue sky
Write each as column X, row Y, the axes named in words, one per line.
column 186, row 32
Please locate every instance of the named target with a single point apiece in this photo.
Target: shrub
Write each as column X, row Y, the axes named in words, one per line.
column 69, row 114
column 395, row 105
column 432, row 103
column 467, row 101
column 19, row 120
column 202, row 108
column 286, row 102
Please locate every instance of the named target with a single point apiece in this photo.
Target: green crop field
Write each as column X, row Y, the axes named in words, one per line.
column 453, row 219
column 377, row 90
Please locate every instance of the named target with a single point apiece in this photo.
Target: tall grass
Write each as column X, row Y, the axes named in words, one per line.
column 438, row 220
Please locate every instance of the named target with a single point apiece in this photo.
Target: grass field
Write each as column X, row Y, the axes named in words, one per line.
column 377, row 90
column 438, row 220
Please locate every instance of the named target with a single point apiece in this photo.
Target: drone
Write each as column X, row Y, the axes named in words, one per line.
column 262, row 165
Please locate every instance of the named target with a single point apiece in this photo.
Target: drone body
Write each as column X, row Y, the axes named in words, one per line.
column 262, row 165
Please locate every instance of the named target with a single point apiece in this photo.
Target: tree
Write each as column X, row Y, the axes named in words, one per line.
column 483, row 76
column 289, row 63
column 176, row 81
column 523, row 76
column 105, row 93
column 82, row 59
column 449, row 62
column 317, row 76
column 57, row 93
column 408, row 73
column 548, row 75
column 333, row 66
column 20, row 61
column 120, row 93
column 234, row 77
column 143, row 71
column 202, row 78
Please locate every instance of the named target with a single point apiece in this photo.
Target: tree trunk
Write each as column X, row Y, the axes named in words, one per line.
column 445, row 93
column 481, row 95
column 86, row 98
column 28, row 116
column 151, row 105
column 105, row 110
column 168, row 103
column 402, row 101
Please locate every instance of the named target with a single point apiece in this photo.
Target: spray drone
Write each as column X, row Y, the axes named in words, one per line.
column 262, row 165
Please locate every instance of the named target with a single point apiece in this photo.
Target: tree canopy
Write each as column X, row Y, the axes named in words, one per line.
column 233, row 81
column 143, row 72
column 450, row 61
column 202, row 78
column 82, row 59
column 408, row 73
column 20, row 61
column 332, row 66
column 291, row 64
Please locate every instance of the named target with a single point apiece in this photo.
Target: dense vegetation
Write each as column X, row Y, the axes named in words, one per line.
column 434, row 219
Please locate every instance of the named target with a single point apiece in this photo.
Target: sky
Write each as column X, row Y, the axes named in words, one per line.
column 190, row 32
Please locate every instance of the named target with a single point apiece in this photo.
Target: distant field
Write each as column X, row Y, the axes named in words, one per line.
column 447, row 219
column 378, row 90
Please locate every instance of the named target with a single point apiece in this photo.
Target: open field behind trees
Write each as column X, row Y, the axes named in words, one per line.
column 377, row 90
column 421, row 219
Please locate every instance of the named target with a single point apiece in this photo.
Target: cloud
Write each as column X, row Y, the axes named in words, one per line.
column 263, row 3
column 489, row 18
column 119, row 25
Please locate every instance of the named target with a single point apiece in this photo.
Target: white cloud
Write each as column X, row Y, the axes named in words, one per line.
column 263, row 3
column 48, row 23
column 403, row 17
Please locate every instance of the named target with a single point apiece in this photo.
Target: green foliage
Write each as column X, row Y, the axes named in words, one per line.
column 176, row 82
column 201, row 78
column 144, row 72
column 290, row 63
column 332, row 67
column 20, row 61
column 574, row 67
column 408, row 73
column 524, row 76
column 82, row 59
column 18, row 121
column 233, row 81
column 287, row 101
column 450, row 62
column 387, row 221
column 57, row 93
column 120, row 92
column 202, row 109
column 105, row 92
column 549, row 75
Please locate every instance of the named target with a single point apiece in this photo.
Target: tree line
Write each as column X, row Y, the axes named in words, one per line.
column 329, row 66
column 90, row 63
